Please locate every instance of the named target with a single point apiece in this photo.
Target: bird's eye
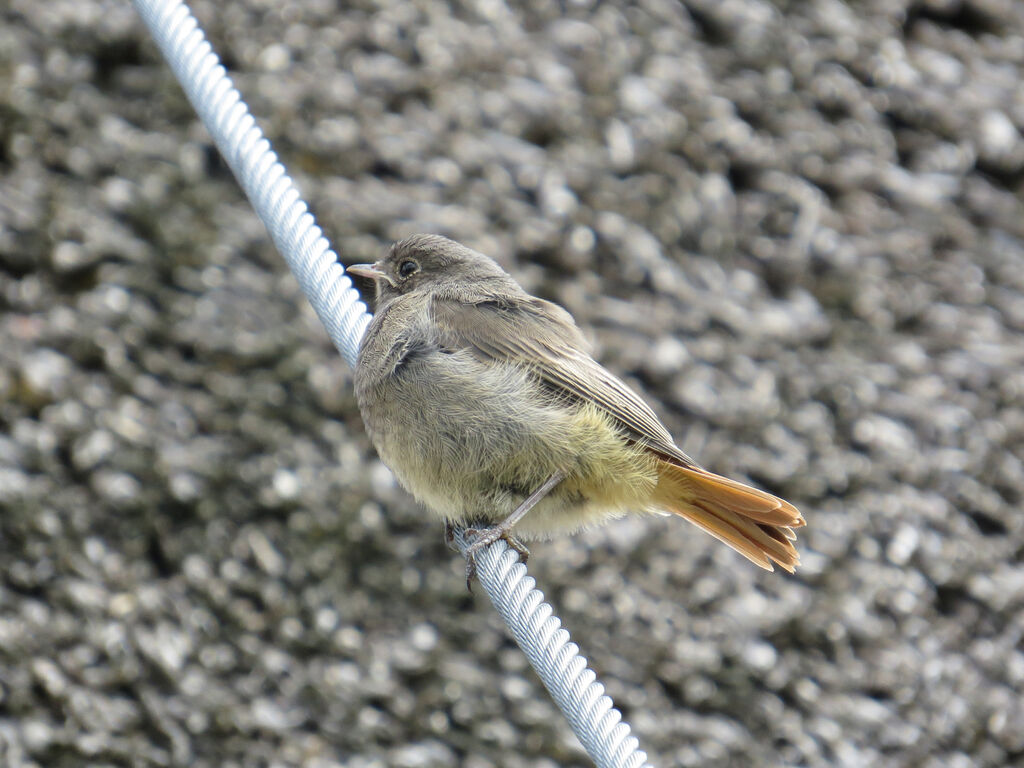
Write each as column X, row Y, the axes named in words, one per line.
column 406, row 268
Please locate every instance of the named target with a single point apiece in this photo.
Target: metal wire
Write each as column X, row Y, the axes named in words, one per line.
column 536, row 629
column 571, row 683
column 255, row 165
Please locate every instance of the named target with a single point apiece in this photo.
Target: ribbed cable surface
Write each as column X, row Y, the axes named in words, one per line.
column 255, row 165
column 556, row 658
column 564, row 671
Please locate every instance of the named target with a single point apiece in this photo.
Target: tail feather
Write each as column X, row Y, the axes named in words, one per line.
column 756, row 524
column 781, row 533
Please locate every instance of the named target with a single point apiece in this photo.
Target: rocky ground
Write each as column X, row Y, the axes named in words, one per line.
column 797, row 228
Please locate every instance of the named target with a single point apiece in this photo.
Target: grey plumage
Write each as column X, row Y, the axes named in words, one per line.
column 475, row 392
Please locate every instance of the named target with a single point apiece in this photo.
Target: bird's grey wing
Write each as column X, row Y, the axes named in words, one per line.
column 543, row 336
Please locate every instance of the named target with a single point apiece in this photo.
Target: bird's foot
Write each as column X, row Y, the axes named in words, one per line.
column 482, row 538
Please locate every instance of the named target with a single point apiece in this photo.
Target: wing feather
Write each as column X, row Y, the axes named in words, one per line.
column 544, row 337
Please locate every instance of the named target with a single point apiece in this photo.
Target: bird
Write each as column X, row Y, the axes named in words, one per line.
column 487, row 406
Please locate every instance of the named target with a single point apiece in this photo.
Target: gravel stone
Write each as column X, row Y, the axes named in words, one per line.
column 797, row 228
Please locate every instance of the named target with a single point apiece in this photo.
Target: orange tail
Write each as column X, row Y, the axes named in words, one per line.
column 756, row 524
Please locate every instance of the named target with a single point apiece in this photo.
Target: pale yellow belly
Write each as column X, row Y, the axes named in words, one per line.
column 485, row 443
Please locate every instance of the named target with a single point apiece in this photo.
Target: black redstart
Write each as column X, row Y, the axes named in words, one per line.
column 484, row 402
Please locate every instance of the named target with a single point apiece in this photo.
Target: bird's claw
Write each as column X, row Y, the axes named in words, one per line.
column 484, row 537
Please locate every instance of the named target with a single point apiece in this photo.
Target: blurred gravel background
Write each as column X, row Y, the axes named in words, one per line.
column 798, row 228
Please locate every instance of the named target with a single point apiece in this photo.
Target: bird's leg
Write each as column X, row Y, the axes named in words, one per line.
column 483, row 537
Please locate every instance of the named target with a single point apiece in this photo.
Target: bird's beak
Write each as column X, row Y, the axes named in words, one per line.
column 372, row 271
